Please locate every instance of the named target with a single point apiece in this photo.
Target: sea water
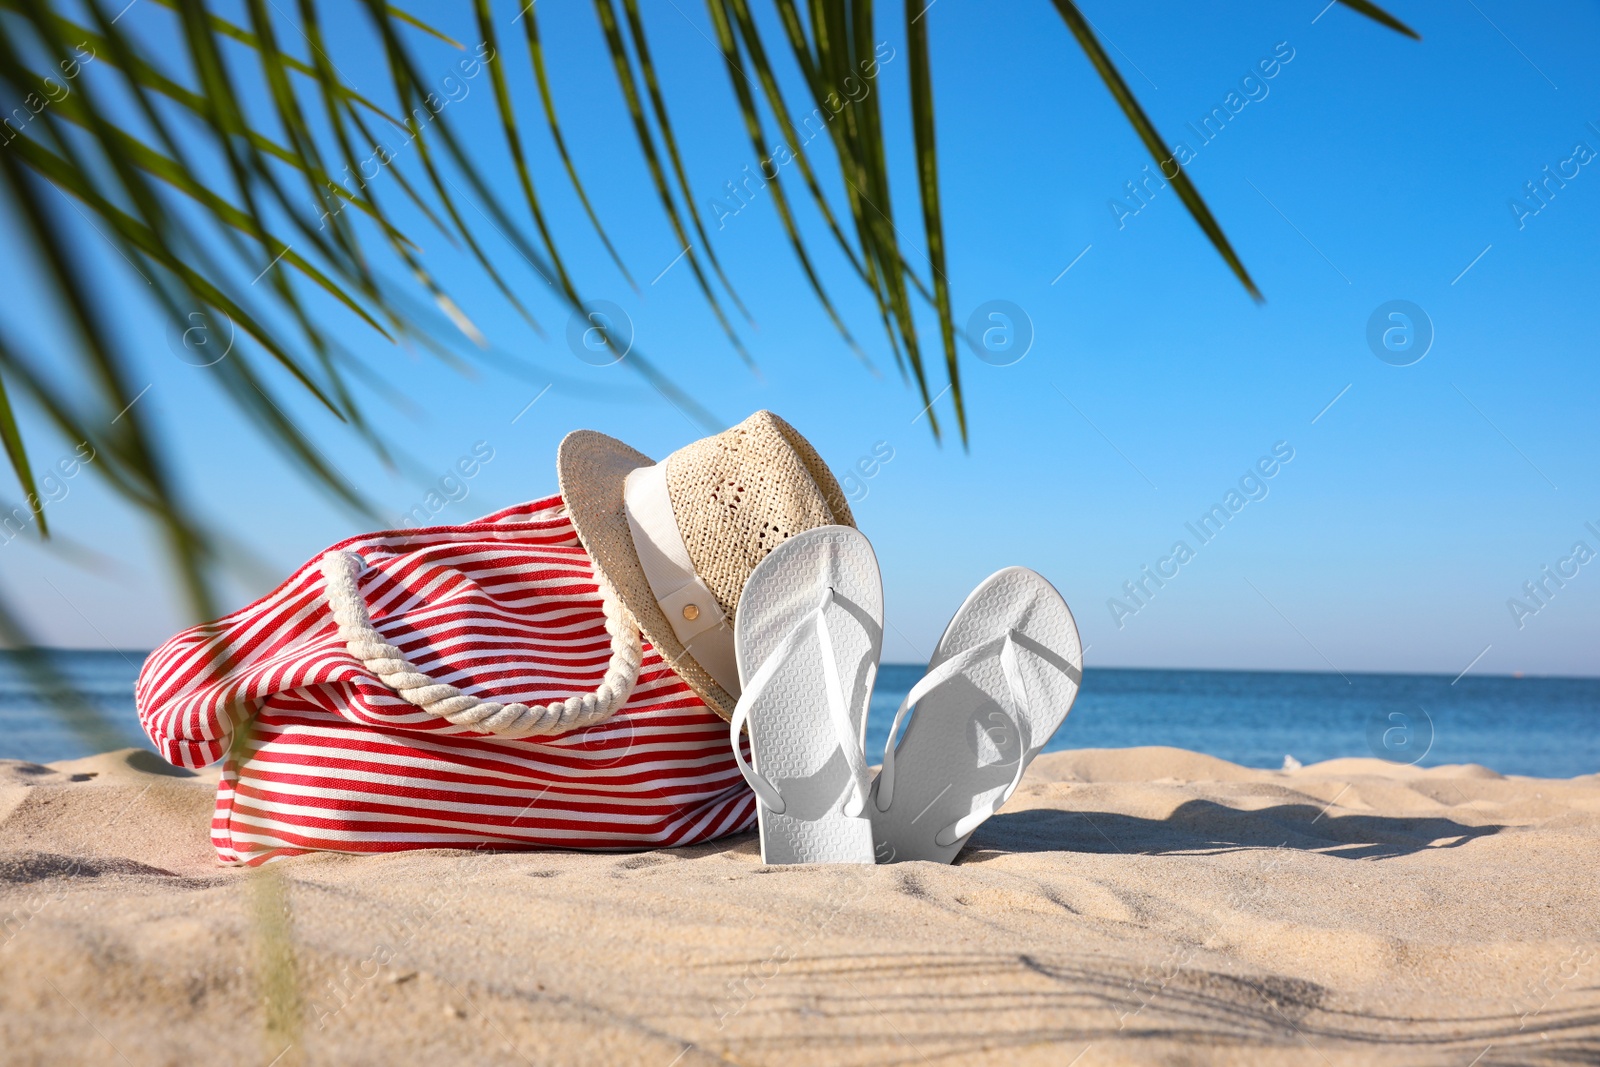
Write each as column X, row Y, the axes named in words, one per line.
column 1547, row 727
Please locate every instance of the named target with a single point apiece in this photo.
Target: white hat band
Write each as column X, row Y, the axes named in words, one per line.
column 686, row 601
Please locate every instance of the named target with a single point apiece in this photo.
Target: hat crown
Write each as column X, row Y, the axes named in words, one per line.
column 731, row 499
column 741, row 493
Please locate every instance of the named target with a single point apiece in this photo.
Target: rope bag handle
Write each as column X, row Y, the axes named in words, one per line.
column 349, row 610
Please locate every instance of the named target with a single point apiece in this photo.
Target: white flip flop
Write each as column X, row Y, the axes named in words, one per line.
column 809, row 630
column 998, row 687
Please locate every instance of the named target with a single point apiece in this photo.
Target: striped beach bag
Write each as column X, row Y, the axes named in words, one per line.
column 472, row 686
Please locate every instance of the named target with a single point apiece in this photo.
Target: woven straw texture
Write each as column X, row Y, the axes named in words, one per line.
column 736, row 496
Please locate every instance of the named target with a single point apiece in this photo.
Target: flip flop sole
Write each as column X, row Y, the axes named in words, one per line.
column 793, row 742
column 959, row 749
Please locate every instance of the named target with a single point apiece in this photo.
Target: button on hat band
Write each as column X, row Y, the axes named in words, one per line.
column 686, row 601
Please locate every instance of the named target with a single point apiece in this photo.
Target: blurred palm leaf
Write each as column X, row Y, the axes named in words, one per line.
column 286, row 141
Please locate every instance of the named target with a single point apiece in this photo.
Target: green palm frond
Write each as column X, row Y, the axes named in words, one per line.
column 928, row 186
column 1146, row 130
column 658, row 106
column 1382, row 17
column 530, row 23
column 17, row 454
column 284, row 234
column 722, row 20
column 623, row 64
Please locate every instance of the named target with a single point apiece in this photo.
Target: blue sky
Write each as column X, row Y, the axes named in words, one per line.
column 1367, row 169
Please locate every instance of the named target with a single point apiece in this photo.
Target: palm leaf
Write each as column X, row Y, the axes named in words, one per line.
column 1152, row 140
column 142, row 239
column 720, row 18
column 144, row 79
column 411, row 20
column 109, row 375
column 769, row 84
column 536, row 57
column 182, row 179
column 508, row 120
column 410, row 89
column 1382, row 17
column 337, row 107
column 17, row 453
column 248, row 167
column 928, row 183
column 235, row 373
column 837, row 29
column 304, row 144
column 659, row 106
column 235, row 32
column 630, row 94
column 800, row 46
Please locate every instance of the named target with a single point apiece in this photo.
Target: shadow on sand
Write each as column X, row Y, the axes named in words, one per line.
column 1203, row 827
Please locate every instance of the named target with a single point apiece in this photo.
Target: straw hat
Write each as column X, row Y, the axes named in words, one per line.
column 676, row 540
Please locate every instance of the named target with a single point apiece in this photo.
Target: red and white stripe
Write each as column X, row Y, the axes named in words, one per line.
column 506, row 608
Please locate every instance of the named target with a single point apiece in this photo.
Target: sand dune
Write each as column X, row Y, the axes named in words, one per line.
column 1129, row 906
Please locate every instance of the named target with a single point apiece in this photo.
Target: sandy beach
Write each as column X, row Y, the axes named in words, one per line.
column 1128, row 906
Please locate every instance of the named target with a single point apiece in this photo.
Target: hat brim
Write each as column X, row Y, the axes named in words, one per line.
column 592, row 469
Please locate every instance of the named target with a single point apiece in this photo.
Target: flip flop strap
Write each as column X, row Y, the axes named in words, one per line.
column 838, row 710
column 1018, row 712
column 938, row 676
column 839, row 713
column 1006, row 648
